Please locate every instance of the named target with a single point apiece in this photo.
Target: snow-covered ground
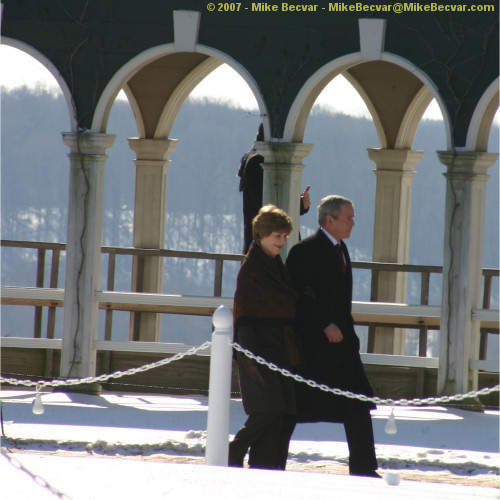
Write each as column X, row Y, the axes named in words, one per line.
column 122, row 445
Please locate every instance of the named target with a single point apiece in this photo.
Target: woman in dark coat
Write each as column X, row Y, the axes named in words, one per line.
column 264, row 311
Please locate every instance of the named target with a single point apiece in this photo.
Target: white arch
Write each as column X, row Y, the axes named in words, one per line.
column 51, row 68
column 480, row 124
column 309, row 93
column 430, row 85
column 412, row 118
column 249, row 80
column 317, row 82
column 371, row 108
column 120, row 78
column 180, row 94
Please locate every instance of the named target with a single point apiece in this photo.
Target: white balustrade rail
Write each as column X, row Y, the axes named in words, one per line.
column 363, row 312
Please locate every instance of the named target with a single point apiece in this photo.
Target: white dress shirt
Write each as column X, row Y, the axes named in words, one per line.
column 334, row 241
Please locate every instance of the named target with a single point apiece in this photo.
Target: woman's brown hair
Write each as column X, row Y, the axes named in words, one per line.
column 270, row 219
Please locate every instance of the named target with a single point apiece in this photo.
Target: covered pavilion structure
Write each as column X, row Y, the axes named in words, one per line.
column 157, row 52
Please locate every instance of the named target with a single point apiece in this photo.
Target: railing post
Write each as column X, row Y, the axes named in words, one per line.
column 219, row 395
column 483, row 339
column 108, row 321
column 51, row 317
column 373, row 298
column 40, row 275
column 424, row 300
column 218, row 277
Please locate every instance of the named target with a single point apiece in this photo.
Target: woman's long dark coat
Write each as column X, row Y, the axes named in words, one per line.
column 263, row 390
column 264, row 290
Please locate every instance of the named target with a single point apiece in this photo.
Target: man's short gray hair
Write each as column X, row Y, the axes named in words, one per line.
column 331, row 205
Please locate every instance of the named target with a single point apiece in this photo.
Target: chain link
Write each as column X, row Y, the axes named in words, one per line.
column 362, row 397
column 103, row 378
column 40, row 481
column 259, row 359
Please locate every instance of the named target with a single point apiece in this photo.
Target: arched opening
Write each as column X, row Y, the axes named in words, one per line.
column 489, row 342
column 214, row 127
column 203, row 124
column 34, row 184
column 341, row 129
column 397, row 100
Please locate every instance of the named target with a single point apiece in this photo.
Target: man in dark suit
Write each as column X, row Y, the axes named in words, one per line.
column 251, row 183
column 321, row 270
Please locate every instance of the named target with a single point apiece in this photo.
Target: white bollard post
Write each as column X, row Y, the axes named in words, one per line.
column 219, row 389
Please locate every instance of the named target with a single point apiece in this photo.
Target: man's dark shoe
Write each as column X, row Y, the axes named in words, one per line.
column 371, row 473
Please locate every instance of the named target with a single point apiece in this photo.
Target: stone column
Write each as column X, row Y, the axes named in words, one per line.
column 391, row 238
column 462, row 267
column 83, row 252
column 150, row 215
column 282, row 179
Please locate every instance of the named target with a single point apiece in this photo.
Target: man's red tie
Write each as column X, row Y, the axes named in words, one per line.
column 341, row 257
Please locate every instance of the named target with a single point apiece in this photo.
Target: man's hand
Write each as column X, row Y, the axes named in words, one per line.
column 333, row 333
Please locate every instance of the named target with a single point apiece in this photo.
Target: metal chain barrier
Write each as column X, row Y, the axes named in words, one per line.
column 362, row 397
column 103, row 378
column 38, row 479
column 194, row 350
column 68, row 382
column 298, row 378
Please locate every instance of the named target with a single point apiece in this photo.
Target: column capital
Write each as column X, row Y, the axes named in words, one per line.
column 282, row 168
column 152, row 149
column 395, row 159
column 88, row 143
column 288, row 154
column 466, row 164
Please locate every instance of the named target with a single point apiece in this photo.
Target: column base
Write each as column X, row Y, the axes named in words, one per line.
column 92, row 388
